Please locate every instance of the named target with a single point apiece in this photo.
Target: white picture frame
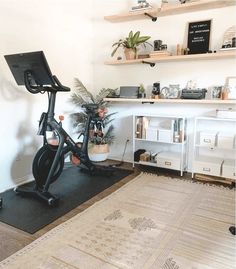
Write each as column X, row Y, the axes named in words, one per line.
column 231, row 87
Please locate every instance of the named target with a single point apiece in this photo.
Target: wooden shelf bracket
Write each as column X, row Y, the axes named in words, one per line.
column 154, row 18
column 151, row 64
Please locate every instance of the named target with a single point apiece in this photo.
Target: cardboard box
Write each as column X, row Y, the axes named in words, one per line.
column 225, row 140
column 226, row 113
column 208, row 165
column 170, row 160
column 229, row 169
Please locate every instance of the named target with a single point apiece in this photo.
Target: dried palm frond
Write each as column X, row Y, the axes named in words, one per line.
column 77, row 99
column 102, row 94
column 109, row 135
column 78, row 118
column 82, row 96
column 82, row 92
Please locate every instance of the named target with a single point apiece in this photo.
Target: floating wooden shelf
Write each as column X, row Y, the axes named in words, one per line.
column 175, row 58
column 173, row 101
column 169, row 9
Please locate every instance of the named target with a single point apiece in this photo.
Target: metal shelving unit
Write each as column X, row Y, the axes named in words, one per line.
column 159, row 147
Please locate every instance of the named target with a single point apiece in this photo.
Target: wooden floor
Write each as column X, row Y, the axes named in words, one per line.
column 12, row 239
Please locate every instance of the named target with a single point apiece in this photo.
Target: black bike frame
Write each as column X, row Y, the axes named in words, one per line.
column 64, row 138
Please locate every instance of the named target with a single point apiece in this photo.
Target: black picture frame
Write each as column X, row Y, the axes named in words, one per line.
column 199, row 33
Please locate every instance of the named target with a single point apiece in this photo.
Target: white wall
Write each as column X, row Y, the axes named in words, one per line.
column 172, row 30
column 63, row 30
column 77, row 41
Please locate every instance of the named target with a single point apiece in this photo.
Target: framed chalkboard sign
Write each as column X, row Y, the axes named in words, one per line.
column 199, row 37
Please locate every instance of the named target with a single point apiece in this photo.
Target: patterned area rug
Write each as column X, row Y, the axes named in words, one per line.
column 152, row 222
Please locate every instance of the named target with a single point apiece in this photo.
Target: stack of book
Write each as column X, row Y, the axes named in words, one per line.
column 159, row 53
column 137, row 8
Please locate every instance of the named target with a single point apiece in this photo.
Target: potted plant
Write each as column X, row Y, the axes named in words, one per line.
column 142, row 91
column 131, row 44
column 99, row 139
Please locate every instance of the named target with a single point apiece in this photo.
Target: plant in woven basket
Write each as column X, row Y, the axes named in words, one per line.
column 82, row 96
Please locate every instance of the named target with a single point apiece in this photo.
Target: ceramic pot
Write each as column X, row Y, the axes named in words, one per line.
column 130, row 54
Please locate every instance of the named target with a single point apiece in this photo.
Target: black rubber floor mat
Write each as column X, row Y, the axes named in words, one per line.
column 73, row 187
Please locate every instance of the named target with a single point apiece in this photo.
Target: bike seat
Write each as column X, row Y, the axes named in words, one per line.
column 90, row 106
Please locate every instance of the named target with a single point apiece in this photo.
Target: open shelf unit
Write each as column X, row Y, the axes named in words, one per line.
column 214, row 150
column 172, row 101
column 169, row 9
column 164, row 137
column 178, row 58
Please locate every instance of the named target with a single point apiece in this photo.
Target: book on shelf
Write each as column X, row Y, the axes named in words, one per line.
column 159, row 53
column 138, row 8
column 227, row 49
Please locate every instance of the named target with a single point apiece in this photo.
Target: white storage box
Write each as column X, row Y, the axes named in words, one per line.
column 208, row 138
column 165, row 135
column 226, row 114
column 229, row 169
column 225, row 140
column 208, row 165
column 151, row 134
column 170, row 160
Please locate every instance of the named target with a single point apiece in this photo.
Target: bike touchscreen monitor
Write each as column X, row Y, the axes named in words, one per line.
column 35, row 62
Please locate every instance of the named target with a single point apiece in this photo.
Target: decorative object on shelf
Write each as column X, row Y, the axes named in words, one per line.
column 230, row 86
column 102, row 131
column 163, row 47
column 193, row 94
column 171, row 92
column 131, row 44
column 142, row 91
column 191, row 85
column 181, row 51
column 229, row 38
column 215, row 92
column 141, row 5
column 156, row 90
column 199, row 36
column 157, row 45
column 130, row 92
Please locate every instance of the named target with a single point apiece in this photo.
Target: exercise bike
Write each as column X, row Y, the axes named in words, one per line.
column 32, row 70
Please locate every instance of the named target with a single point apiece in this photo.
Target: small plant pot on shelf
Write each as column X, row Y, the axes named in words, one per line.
column 130, row 54
column 98, row 153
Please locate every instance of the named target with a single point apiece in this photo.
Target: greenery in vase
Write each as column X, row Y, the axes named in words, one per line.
column 82, row 96
column 133, row 41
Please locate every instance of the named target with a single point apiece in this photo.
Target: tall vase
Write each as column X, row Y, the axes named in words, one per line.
column 130, row 54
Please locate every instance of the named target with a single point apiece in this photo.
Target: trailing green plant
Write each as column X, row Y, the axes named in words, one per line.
column 133, row 41
column 81, row 95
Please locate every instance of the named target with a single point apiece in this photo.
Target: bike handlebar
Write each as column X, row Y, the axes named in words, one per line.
column 57, row 86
